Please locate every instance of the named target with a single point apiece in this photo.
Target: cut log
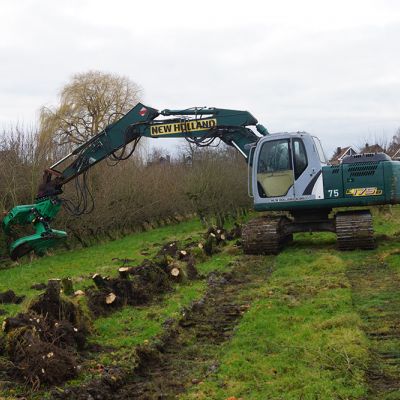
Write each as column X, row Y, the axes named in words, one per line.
column 110, row 298
column 53, row 289
column 175, row 271
column 209, row 245
column 191, row 270
column 67, row 286
column 99, row 281
column 124, row 272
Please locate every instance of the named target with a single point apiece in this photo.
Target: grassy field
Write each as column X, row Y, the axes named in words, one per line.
column 320, row 325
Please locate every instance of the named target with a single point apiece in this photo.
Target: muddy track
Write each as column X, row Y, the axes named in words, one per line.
column 376, row 296
column 188, row 350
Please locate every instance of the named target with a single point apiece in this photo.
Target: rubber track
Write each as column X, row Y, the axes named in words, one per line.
column 354, row 230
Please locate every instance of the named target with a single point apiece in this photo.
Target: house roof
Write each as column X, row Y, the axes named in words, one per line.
column 341, row 152
column 374, row 148
column 394, row 151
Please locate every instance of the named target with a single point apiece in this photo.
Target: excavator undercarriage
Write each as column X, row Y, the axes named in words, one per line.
column 268, row 234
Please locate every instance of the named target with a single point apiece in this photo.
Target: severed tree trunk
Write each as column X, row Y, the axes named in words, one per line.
column 67, row 286
column 99, row 281
column 124, row 272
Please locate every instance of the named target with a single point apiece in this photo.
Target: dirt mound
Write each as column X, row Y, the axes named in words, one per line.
column 37, row 361
column 42, row 343
column 9, row 297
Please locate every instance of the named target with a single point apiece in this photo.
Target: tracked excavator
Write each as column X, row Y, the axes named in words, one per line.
column 288, row 173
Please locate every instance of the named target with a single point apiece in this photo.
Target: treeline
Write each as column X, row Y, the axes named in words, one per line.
column 136, row 194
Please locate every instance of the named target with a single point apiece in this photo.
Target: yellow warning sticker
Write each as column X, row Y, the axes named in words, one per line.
column 182, row 127
column 370, row 191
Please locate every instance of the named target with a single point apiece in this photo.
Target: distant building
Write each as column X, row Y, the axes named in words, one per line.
column 394, row 152
column 340, row 153
column 159, row 160
column 374, row 148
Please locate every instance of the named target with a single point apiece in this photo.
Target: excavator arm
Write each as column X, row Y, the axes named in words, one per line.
column 198, row 125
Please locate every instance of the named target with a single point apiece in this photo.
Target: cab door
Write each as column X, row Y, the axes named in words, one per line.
column 274, row 170
column 287, row 168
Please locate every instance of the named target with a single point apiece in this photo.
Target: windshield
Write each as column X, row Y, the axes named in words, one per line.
column 320, row 150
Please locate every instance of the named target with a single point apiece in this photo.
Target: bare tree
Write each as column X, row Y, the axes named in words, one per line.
column 87, row 104
column 374, row 143
column 395, row 142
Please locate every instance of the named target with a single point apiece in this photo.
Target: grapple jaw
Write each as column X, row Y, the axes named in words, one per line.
column 39, row 242
column 39, row 214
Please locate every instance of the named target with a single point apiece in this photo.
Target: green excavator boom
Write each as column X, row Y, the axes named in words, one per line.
column 200, row 125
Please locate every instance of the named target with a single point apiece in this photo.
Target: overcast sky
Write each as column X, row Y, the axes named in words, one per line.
column 331, row 68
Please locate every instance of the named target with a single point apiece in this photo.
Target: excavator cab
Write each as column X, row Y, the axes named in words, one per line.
column 287, row 168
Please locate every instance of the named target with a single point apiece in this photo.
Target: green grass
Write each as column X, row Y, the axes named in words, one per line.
column 302, row 337
column 132, row 326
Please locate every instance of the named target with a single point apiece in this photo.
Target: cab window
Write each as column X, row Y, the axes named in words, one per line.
column 299, row 157
column 274, row 169
column 274, row 156
column 320, row 150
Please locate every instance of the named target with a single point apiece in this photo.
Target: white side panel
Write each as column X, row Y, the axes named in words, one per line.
column 318, row 189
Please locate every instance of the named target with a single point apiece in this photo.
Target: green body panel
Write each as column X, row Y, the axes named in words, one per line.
column 26, row 214
column 344, row 186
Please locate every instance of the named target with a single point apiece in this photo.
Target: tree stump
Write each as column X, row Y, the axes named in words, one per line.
column 99, row 281
column 67, row 286
column 53, row 290
column 124, row 272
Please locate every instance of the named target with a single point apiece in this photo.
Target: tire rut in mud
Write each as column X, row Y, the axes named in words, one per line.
column 188, row 350
column 376, row 296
